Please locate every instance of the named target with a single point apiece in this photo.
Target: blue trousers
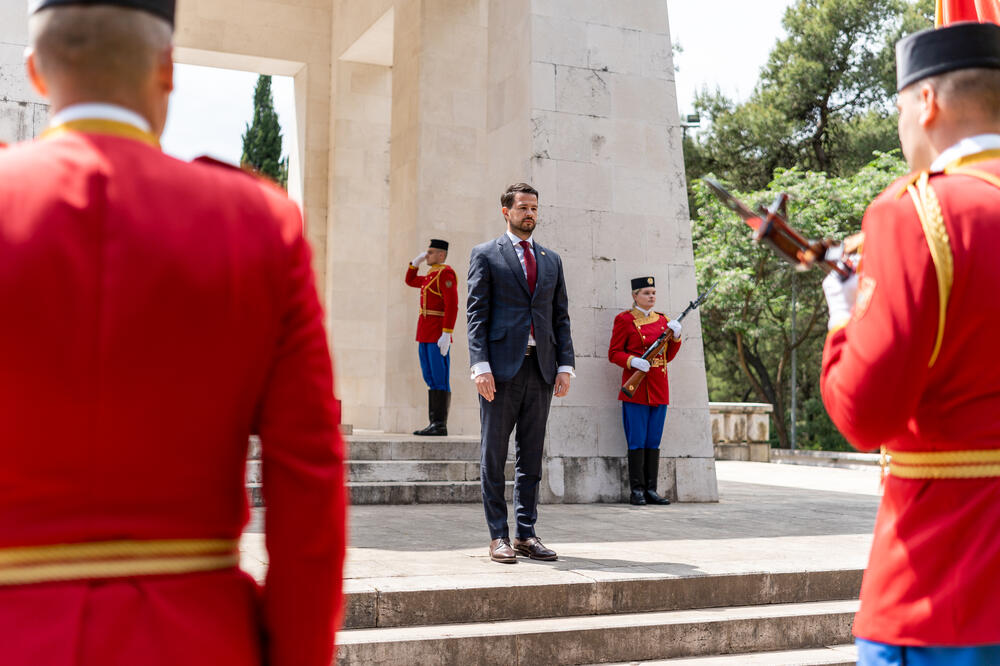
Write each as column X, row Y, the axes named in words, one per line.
column 871, row 653
column 436, row 368
column 643, row 424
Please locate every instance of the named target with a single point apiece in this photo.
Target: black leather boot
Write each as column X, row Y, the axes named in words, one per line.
column 437, row 410
column 652, row 466
column 636, row 480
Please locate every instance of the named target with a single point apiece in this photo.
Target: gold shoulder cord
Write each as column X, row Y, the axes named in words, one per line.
column 932, row 220
column 943, row 464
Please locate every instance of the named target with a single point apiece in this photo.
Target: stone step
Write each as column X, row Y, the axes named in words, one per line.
column 606, row 638
column 400, row 447
column 403, row 492
column 419, row 492
column 833, row 655
column 465, row 598
column 412, row 448
column 359, row 471
column 366, row 471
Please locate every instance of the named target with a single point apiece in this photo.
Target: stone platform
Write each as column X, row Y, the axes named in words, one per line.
column 770, row 574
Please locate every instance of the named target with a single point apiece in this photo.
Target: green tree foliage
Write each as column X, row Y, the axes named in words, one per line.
column 823, row 108
column 825, row 100
column 747, row 324
column 262, row 139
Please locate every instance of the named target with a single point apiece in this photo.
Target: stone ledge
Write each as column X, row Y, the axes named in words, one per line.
column 740, row 408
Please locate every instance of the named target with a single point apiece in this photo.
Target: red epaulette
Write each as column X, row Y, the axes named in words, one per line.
column 205, row 159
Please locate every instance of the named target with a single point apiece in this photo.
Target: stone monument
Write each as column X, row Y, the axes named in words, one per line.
column 412, row 116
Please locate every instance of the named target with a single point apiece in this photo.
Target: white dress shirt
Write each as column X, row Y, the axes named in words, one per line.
column 970, row 145
column 102, row 111
column 483, row 367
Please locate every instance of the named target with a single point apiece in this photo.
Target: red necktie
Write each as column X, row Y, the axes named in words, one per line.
column 529, row 266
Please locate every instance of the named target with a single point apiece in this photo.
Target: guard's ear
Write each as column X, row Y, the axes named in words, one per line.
column 929, row 104
column 36, row 78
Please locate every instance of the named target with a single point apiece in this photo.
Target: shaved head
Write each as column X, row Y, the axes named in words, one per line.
column 103, row 48
column 102, row 53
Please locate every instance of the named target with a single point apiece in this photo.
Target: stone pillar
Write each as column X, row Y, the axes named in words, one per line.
column 582, row 105
column 437, row 173
column 23, row 114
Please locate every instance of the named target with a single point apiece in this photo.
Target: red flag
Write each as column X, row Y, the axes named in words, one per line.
column 953, row 11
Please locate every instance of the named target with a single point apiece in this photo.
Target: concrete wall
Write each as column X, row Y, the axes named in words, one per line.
column 582, row 104
column 23, row 114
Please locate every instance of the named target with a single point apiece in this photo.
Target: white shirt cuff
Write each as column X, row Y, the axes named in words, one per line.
column 566, row 368
column 480, row 368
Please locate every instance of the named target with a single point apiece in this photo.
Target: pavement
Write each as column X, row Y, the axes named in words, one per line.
column 770, row 518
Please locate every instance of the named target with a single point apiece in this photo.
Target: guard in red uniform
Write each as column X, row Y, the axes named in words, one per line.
column 438, row 311
column 156, row 313
column 908, row 361
column 644, row 414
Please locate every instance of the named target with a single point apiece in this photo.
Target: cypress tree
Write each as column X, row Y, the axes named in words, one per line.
column 262, row 138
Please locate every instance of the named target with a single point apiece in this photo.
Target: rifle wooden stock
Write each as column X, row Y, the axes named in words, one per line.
column 632, row 385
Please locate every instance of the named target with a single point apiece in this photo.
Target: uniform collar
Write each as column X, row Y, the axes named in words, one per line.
column 970, row 145
column 644, row 312
column 517, row 241
column 100, row 111
column 99, row 118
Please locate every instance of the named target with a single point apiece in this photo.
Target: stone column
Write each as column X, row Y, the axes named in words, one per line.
column 438, row 166
column 23, row 114
column 582, row 105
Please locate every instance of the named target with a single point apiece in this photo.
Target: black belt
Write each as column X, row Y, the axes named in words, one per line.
column 530, row 351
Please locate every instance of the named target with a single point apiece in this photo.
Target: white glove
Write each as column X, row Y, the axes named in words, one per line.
column 840, row 297
column 640, row 364
column 417, row 259
column 675, row 326
column 444, row 343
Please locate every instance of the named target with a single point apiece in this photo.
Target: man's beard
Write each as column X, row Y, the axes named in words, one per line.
column 522, row 226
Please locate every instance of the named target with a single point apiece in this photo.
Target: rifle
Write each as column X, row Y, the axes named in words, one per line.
column 629, row 388
column 771, row 227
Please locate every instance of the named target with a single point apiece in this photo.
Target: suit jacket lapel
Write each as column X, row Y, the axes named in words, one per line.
column 544, row 267
column 513, row 263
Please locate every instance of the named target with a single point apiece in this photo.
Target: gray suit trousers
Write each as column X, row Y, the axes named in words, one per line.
column 522, row 402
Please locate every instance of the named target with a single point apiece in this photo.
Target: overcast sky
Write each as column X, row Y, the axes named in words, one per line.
column 725, row 43
column 210, row 107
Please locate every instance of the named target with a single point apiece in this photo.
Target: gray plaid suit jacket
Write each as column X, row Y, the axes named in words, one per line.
column 501, row 310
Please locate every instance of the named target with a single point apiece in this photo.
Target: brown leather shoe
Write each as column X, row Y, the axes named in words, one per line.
column 532, row 547
column 500, row 551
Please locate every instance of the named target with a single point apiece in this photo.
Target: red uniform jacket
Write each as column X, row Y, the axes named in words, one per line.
column 438, row 301
column 631, row 336
column 156, row 313
column 932, row 577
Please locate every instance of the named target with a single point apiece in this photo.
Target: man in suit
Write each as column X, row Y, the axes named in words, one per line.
column 521, row 353
column 156, row 313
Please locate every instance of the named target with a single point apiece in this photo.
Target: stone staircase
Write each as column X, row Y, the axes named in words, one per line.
column 753, row 618
column 401, row 469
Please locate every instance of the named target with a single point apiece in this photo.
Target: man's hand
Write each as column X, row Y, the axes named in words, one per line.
column 419, row 258
column 562, row 384
column 443, row 343
column 640, row 364
column 675, row 328
column 487, row 388
column 840, row 297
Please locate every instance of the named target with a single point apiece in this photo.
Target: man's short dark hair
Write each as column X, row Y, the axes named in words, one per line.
column 507, row 198
column 976, row 89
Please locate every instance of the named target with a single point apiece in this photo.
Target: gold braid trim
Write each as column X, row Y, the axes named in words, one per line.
column 945, row 464
column 102, row 126
column 113, row 559
column 932, row 220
